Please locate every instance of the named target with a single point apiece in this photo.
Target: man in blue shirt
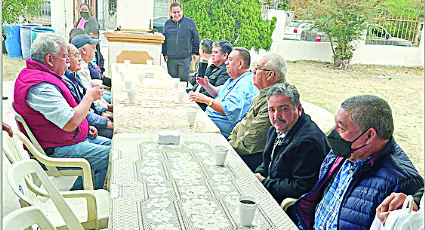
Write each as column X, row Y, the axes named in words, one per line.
column 229, row 102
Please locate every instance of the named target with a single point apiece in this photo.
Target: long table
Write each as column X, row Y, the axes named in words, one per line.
column 157, row 186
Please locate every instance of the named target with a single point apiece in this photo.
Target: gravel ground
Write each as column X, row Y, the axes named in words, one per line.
column 319, row 83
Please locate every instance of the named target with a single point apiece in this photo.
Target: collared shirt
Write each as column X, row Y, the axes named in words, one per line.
column 85, row 77
column 326, row 216
column 250, row 134
column 47, row 99
column 235, row 96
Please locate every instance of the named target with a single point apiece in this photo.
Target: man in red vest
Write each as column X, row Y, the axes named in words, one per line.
column 57, row 121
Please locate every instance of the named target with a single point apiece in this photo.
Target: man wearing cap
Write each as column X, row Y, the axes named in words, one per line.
column 87, row 47
column 57, row 121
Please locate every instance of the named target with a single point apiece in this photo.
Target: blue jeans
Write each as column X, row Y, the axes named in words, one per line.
column 95, row 151
column 107, row 96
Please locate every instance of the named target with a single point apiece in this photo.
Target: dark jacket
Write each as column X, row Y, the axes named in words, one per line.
column 296, row 162
column 389, row 171
column 181, row 38
column 216, row 76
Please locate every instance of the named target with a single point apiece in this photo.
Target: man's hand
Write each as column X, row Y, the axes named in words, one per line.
column 259, row 177
column 92, row 132
column 110, row 107
column 95, row 93
column 199, row 97
column 165, row 58
column 195, row 58
column 203, row 81
column 7, row 128
column 391, row 203
column 110, row 125
column 110, row 117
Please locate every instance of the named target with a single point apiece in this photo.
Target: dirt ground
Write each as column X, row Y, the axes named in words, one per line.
column 324, row 86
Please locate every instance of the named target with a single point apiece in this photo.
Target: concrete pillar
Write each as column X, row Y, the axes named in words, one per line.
column 135, row 14
column 61, row 16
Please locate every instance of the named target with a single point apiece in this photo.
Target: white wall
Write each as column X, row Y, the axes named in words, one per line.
column 134, row 14
column 365, row 54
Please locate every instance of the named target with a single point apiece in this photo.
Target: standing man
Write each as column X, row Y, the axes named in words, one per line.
column 181, row 42
column 57, row 121
column 249, row 136
column 229, row 102
column 295, row 146
column 364, row 166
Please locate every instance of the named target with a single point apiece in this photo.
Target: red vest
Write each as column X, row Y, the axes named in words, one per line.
column 47, row 133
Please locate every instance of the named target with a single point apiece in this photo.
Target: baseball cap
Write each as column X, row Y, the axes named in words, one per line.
column 82, row 39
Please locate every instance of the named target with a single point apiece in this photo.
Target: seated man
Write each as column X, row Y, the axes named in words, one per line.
column 51, row 112
column 364, row 166
column 102, row 123
column 216, row 73
column 205, row 50
column 249, row 136
column 87, row 49
column 230, row 102
column 295, row 146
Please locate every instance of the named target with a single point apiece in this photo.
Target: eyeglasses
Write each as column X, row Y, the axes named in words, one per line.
column 257, row 68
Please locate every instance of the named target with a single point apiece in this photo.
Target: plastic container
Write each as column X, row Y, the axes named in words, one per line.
column 38, row 30
column 26, row 39
column 13, row 41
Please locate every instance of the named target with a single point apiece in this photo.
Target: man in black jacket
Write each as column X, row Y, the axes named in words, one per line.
column 216, row 73
column 295, row 146
column 181, row 41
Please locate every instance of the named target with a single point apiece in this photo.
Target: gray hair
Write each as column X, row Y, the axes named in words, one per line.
column 287, row 90
column 276, row 63
column 46, row 43
column 206, row 45
column 369, row 111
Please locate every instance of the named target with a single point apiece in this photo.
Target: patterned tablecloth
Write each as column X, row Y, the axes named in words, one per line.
column 179, row 186
column 156, row 106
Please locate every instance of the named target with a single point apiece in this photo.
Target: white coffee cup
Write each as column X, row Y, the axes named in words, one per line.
column 128, row 84
column 95, row 82
column 123, row 75
column 191, row 115
column 141, row 77
column 180, row 97
column 247, row 207
column 183, row 85
column 149, row 62
column 131, row 96
column 220, row 154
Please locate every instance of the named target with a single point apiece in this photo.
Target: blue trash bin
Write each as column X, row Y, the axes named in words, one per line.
column 26, row 39
column 13, row 41
column 38, row 30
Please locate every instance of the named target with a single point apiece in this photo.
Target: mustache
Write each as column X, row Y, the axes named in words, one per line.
column 279, row 120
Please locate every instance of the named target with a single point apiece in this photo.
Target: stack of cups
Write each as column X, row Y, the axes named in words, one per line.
column 220, row 155
column 247, row 208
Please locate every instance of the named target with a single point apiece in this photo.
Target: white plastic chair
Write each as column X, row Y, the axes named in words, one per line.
column 25, row 217
column 52, row 163
column 90, row 208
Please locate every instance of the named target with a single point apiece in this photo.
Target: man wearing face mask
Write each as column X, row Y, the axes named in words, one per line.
column 364, row 166
column 295, row 146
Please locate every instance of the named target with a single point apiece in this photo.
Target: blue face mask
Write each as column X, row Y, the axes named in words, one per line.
column 341, row 147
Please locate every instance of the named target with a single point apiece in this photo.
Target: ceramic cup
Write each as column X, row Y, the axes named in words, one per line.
column 175, row 82
column 247, row 207
column 220, row 155
column 149, row 62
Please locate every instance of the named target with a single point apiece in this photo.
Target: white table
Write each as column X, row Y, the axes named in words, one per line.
column 179, row 187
